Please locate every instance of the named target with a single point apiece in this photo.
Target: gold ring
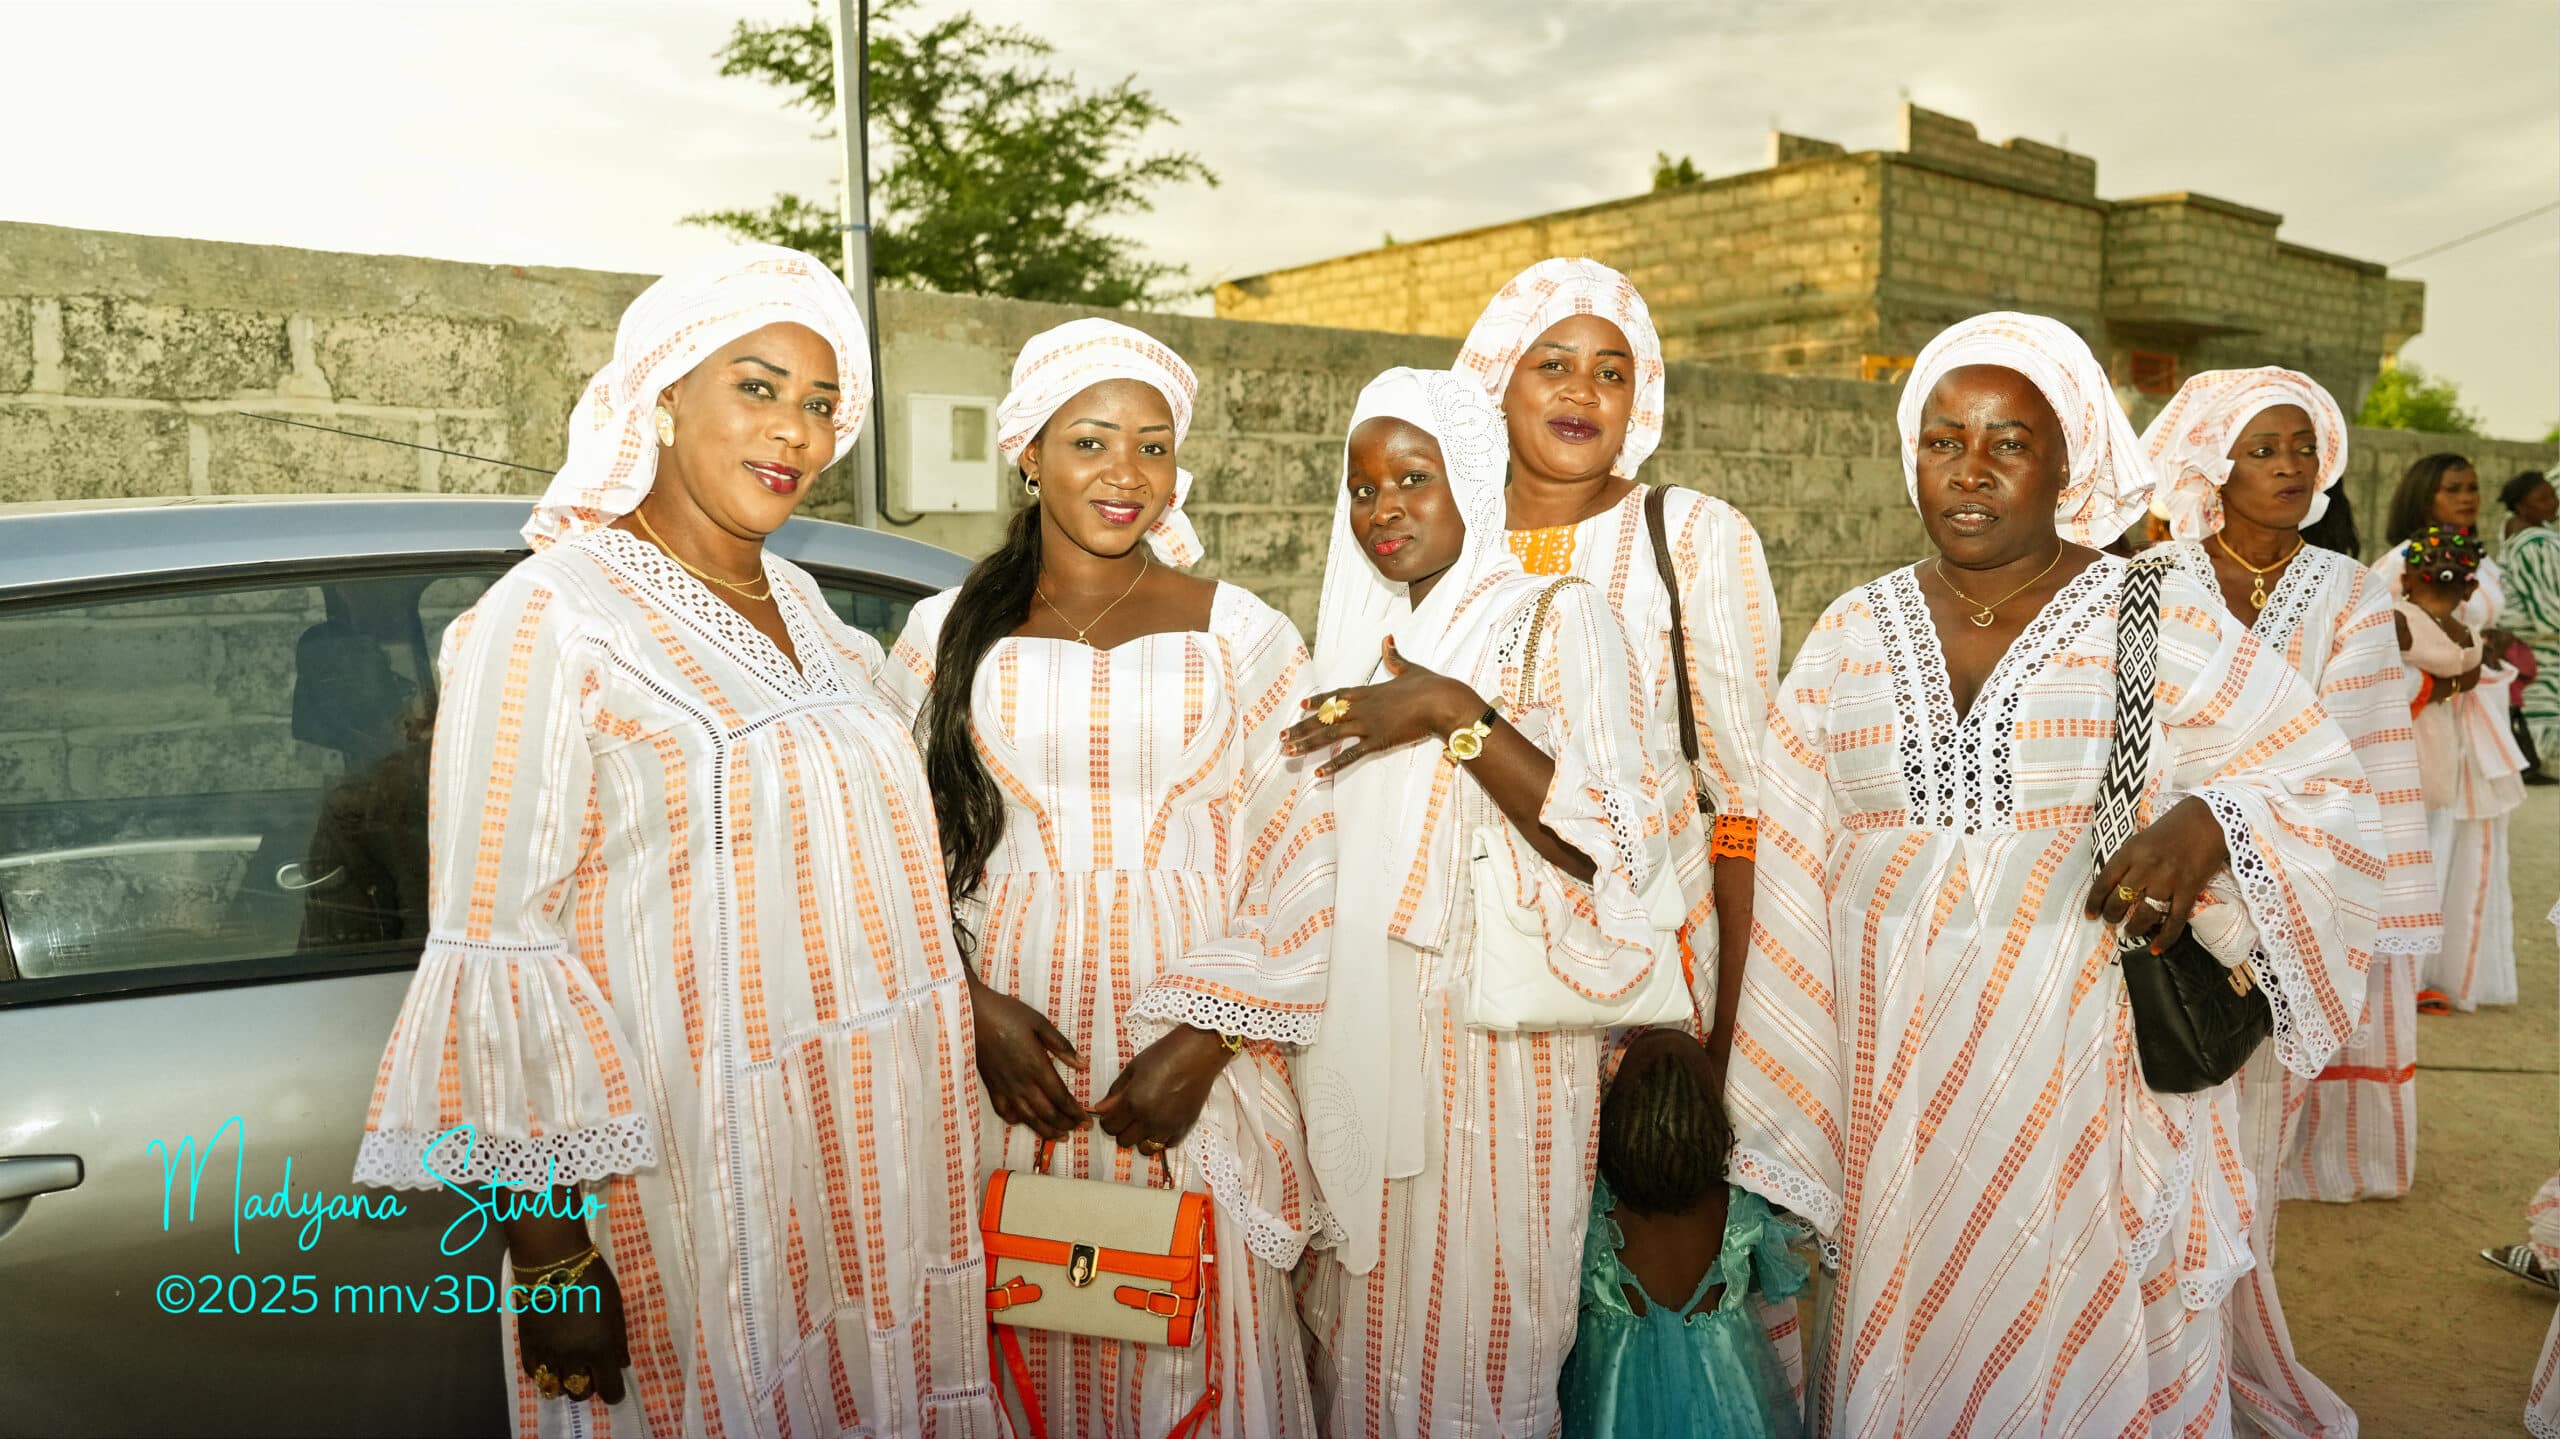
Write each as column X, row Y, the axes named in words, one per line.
column 576, row 1384
column 1151, row 1146
column 1333, row 709
column 544, row 1382
column 2127, row 893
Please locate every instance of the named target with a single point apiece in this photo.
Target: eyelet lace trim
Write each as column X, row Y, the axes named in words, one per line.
column 1962, row 773
column 1786, row 1187
column 2143, row 1245
column 2541, row 1427
column 2419, row 945
column 2303, row 1039
column 1176, row 1005
column 673, row 587
column 2289, row 604
column 396, row 1158
column 1271, row 1241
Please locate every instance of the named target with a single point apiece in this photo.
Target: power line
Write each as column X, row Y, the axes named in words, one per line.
column 387, row 440
column 2476, row 234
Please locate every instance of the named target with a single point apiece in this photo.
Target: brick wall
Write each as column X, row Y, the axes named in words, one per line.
column 125, row 362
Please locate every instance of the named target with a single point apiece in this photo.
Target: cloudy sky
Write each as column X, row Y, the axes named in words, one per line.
column 575, row 132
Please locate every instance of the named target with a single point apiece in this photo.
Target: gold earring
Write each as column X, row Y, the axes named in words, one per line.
column 666, row 427
column 1031, row 486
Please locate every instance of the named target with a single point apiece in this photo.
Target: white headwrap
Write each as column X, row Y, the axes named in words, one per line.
column 1553, row 290
column 2109, row 481
column 1365, row 1075
column 2189, row 443
column 1061, row 363
column 674, row 326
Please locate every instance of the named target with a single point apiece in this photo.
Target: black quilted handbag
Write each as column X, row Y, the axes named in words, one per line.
column 2196, row 1020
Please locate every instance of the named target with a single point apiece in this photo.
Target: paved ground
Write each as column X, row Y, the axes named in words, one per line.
column 2388, row 1300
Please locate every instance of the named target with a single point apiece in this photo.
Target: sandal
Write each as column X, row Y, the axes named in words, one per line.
column 2520, row 1261
column 2434, row 1001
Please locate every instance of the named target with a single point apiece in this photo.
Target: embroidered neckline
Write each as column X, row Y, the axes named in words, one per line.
column 679, row 593
column 1960, row 771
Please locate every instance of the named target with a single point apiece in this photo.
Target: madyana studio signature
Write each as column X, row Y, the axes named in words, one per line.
column 315, row 1208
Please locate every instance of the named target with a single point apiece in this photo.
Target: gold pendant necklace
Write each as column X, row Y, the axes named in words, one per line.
column 1981, row 615
column 2257, row 576
column 745, row 588
column 1145, row 563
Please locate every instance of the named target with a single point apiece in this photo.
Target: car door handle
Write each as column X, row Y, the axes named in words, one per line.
column 24, row 1176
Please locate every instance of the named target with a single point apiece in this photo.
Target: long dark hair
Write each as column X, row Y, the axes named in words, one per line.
column 968, row 807
column 2413, row 505
column 2336, row 527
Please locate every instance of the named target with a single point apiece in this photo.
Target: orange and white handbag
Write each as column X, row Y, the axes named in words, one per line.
column 1088, row 1256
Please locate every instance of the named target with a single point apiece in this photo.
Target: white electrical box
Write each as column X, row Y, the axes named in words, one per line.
column 951, row 454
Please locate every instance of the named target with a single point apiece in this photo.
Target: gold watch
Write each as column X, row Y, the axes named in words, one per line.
column 1465, row 744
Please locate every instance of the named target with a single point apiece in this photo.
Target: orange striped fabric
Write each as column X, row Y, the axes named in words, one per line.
column 1162, row 863
column 1731, row 614
column 689, row 948
column 1934, row 1061
column 1463, row 1323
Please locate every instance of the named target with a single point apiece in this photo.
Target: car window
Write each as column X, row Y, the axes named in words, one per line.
column 229, row 774
column 877, row 610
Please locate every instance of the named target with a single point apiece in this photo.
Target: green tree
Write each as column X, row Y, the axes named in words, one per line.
column 2405, row 399
column 1670, row 174
column 999, row 173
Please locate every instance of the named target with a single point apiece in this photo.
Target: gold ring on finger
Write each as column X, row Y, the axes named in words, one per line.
column 2127, row 893
column 1333, row 709
column 545, row 1382
column 577, row 1384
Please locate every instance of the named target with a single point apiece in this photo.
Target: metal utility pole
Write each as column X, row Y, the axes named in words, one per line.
column 853, row 111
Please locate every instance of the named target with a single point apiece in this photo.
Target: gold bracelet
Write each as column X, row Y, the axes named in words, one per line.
column 581, row 1259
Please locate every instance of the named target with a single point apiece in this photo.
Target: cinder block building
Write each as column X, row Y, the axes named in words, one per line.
column 1842, row 265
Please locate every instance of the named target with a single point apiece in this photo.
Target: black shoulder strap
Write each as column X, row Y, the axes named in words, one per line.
column 1654, row 501
column 2137, row 670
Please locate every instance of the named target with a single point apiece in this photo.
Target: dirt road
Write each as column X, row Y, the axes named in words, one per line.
column 2388, row 1300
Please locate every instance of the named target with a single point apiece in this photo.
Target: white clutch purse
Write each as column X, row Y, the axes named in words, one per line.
column 1511, row 988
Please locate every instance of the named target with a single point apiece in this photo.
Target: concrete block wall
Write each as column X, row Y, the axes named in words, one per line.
column 1954, row 241
column 125, row 362
column 1772, row 269
column 2029, row 163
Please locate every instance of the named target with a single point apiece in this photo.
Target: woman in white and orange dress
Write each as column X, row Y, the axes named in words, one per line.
column 2475, row 964
column 689, row 966
column 1569, row 353
column 1934, row 1058
column 1144, row 880
column 2245, row 459
column 1456, row 1162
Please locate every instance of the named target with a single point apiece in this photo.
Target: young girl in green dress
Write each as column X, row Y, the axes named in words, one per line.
column 1670, row 1344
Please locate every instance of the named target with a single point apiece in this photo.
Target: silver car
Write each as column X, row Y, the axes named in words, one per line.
column 213, row 745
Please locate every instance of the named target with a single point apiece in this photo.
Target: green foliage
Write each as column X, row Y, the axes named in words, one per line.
column 999, row 172
column 2405, row 399
column 2552, row 436
column 1670, row 174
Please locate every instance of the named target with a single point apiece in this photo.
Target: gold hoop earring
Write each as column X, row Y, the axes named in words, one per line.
column 1031, row 486
column 666, row 427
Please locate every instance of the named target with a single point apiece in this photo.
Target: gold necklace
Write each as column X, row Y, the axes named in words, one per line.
column 1981, row 615
column 736, row 587
column 1145, row 563
column 2258, row 580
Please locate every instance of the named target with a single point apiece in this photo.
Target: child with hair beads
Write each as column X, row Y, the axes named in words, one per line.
column 1670, row 1344
column 2464, row 771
